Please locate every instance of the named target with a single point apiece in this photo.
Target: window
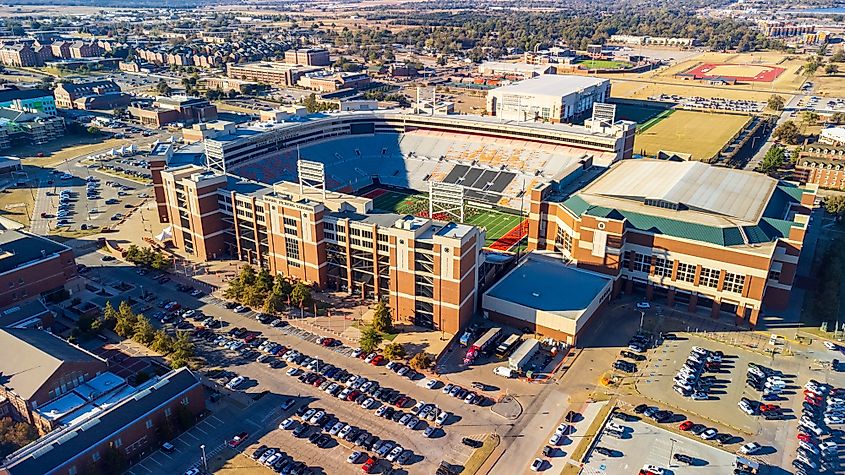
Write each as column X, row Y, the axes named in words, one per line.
column 185, row 401
column 289, row 222
column 686, row 272
column 72, row 470
column 642, row 263
column 709, row 277
column 662, row 267
column 291, row 249
column 734, row 282
column 328, row 226
column 330, row 236
column 290, row 231
column 167, row 412
column 149, row 424
column 95, row 456
column 383, row 248
column 563, row 239
column 117, row 443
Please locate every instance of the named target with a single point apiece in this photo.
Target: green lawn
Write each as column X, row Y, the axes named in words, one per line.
column 604, row 64
column 496, row 223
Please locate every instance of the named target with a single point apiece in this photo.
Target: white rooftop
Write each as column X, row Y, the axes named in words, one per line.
column 733, row 195
column 552, row 85
column 836, row 134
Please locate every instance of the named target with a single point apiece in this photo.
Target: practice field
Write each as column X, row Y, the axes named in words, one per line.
column 604, row 64
column 644, row 113
column 701, row 134
column 499, row 225
column 738, row 72
column 643, row 89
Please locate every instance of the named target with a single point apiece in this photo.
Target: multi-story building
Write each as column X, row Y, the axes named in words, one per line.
column 514, row 70
column 822, row 165
column 308, row 57
column 21, row 55
column 31, row 127
column 333, row 82
column 38, row 366
column 428, row 270
column 168, row 110
column 32, row 266
column 61, row 49
column 90, row 95
column 693, row 234
column 126, row 427
column 28, row 100
column 834, row 136
column 640, row 40
column 276, row 74
column 85, row 49
column 551, row 98
column 783, row 29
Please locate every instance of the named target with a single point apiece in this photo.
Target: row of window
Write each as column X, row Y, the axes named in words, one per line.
column 662, row 267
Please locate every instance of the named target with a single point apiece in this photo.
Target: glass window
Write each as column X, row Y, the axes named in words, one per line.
column 709, row 277
column 662, row 267
column 686, row 272
column 734, row 282
column 642, row 263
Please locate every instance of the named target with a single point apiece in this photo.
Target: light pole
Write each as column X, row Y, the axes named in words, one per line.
column 204, row 461
column 642, row 317
column 671, row 451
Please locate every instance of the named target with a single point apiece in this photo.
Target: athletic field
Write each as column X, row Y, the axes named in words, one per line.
column 499, row 225
column 701, row 134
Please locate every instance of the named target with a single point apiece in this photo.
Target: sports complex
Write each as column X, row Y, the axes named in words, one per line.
column 735, row 72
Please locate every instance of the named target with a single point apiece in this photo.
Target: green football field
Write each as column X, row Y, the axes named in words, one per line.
column 496, row 223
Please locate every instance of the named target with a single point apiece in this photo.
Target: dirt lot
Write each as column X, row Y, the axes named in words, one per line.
column 17, row 204
column 700, row 133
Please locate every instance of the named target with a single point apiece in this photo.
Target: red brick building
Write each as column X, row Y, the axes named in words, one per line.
column 32, row 266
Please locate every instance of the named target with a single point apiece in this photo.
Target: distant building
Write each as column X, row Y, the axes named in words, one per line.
column 332, row 82
column 822, row 165
column 276, row 74
column 514, row 70
column 20, row 55
column 207, row 130
column 642, row 40
column 28, row 100
column 50, row 368
column 226, row 84
column 308, row 57
column 32, row 314
column 833, row 136
column 31, row 127
column 783, row 29
column 117, row 419
column 85, row 49
column 169, row 110
column 94, row 95
column 552, row 98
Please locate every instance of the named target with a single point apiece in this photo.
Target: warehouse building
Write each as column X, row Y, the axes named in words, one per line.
column 548, row 98
column 687, row 233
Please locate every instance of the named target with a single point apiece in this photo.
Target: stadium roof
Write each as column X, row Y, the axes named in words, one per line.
column 558, row 85
column 691, row 200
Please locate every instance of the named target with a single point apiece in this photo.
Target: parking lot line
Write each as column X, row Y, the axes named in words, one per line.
column 197, row 428
column 191, row 436
column 152, row 459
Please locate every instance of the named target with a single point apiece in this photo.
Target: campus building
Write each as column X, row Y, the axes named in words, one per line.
column 93, row 95
column 822, row 165
column 32, row 266
column 428, row 270
column 686, row 233
column 332, row 82
column 20, row 55
column 548, row 98
column 168, row 110
column 104, row 419
column 276, row 74
column 308, row 56
column 28, row 100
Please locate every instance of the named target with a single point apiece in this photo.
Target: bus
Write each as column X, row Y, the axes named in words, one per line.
column 483, row 344
column 507, row 346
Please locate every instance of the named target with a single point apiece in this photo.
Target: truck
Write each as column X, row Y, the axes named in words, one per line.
column 507, row 346
column 520, row 358
column 483, row 344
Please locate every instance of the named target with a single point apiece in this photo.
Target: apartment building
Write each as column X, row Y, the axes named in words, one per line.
column 687, row 233
column 822, row 165
column 308, row 56
column 20, row 55
column 276, row 74
column 90, row 95
column 427, row 270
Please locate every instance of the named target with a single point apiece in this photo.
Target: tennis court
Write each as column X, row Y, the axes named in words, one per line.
column 497, row 223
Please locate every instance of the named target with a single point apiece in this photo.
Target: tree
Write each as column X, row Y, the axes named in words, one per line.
column 831, row 69
column 441, row 60
column 301, row 294
column 382, row 321
column 835, row 205
column 14, row 435
column 788, row 132
column 837, row 118
column 310, row 103
column 370, row 339
column 838, row 57
column 144, row 331
column 808, row 118
column 93, row 130
column 394, row 351
column 421, row 361
column 775, row 102
column 163, row 88
column 811, row 67
column 162, row 342
column 773, row 160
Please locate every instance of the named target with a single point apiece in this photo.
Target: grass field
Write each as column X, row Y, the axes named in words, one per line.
column 641, row 112
column 701, row 134
column 604, row 64
column 496, row 223
column 642, row 89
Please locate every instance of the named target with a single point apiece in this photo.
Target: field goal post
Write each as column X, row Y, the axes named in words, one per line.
column 311, row 175
column 446, row 198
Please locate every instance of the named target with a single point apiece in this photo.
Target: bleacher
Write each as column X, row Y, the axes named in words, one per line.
column 492, row 170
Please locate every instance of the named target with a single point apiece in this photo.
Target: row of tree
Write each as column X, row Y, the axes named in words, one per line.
column 827, row 297
column 148, row 257
column 373, row 335
column 262, row 290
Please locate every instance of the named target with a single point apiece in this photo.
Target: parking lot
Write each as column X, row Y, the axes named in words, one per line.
column 643, row 443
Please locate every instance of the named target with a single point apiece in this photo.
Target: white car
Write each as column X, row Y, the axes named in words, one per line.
column 834, row 419
column 235, row 382
column 357, row 352
column 750, row 448
column 431, row 384
column 699, row 396
column 708, row 434
column 555, row 439
column 266, row 455
column 368, row 403
column 316, row 417
column 562, row 428
column 293, row 372
column 653, row 469
column 536, row 465
column 394, row 453
column 287, row 423
column 830, row 345
column 416, row 409
column 353, row 457
column 746, row 408
column 443, row 417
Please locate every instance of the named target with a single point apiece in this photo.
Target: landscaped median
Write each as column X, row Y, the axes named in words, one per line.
column 477, row 459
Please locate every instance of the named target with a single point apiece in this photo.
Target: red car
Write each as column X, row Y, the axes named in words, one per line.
column 813, row 401
column 401, row 402
column 238, row 439
column 318, row 381
column 769, row 407
column 352, row 395
column 377, row 360
column 686, row 425
column 249, row 337
column 368, row 465
column 327, row 341
column 805, row 438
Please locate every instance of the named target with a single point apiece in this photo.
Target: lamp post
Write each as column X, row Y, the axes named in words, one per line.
column 671, row 451
column 204, row 461
column 642, row 317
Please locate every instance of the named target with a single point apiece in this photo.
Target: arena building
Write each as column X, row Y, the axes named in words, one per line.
column 549, row 97
column 688, row 233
